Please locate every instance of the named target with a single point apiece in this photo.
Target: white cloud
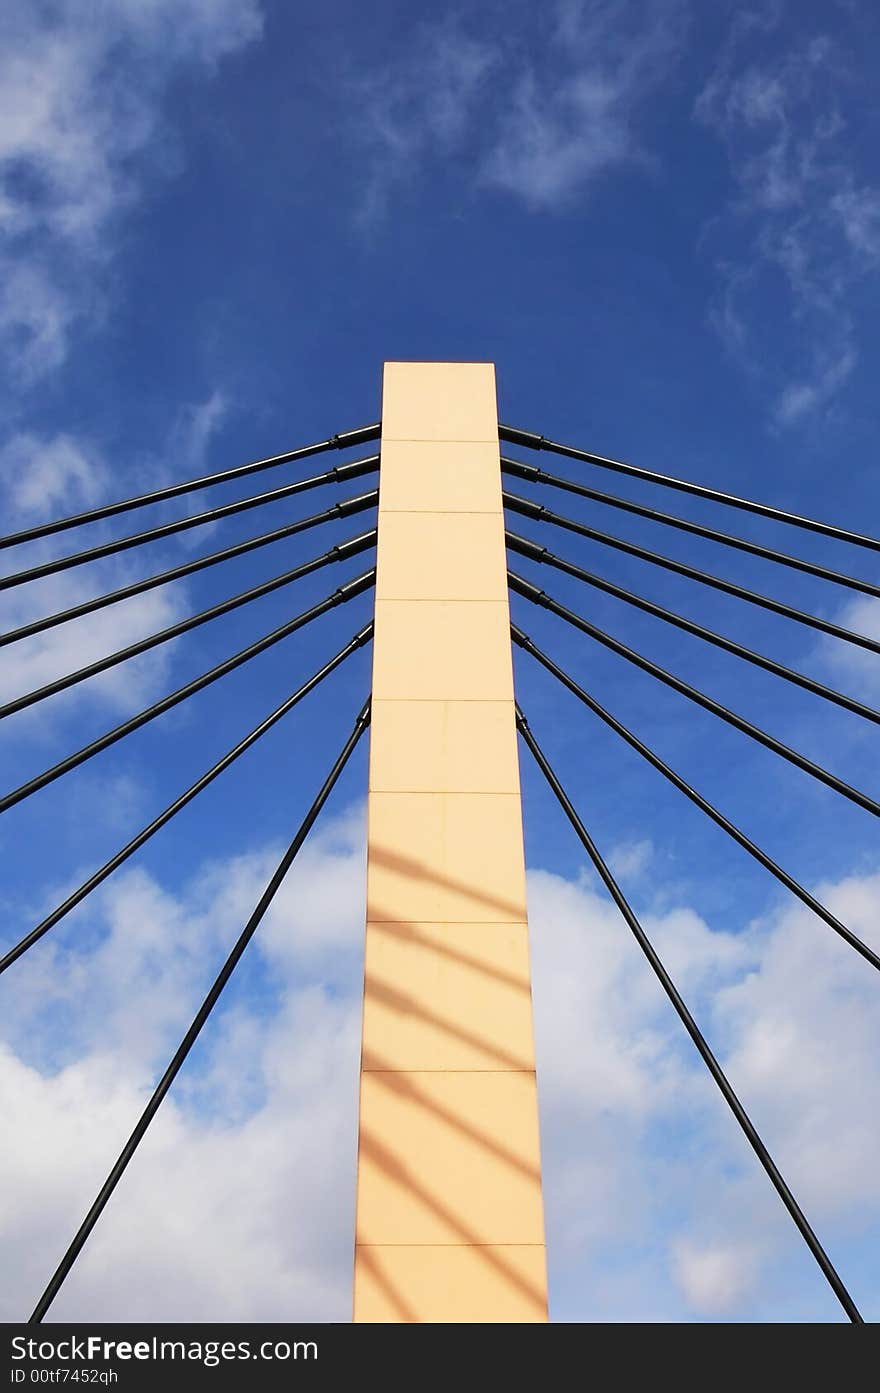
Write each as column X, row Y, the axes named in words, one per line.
column 609, row 1058
column 240, row 1203
column 801, row 1030
column 41, row 476
column 319, row 907
column 36, row 317
column 71, row 118
column 184, row 453
column 631, row 858
column 32, row 662
column 421, row 104
column 195, row 429
column 573, row 108
column 714, row 1279
column 212, row 1221
column 81, row 93
column 856, row 668
column 794, row 1016
column 859, row 213
column 550, row 147
column 830, row 370
column 45, row 477
column 539, row 118
column 812, row 229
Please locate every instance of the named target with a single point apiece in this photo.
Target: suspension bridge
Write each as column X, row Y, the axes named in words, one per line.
column 450, row 1220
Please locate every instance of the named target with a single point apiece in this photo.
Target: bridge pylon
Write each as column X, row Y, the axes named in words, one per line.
column 450, row 1222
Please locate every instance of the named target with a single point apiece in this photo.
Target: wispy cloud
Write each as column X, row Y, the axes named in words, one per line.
column 421, row 105
column 195, row 428
column 857, row 668
column 539, row 117
column 809, row 225
column 49, row 476
column 575, row 103
column 713, row 1277
column 185, row 451
column 42, row 476
column 81, row 93
column 37, row 313
column 631, row 858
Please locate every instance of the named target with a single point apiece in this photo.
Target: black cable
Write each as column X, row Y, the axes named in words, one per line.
column 345, row 509
column 538, row 513
column 528, row 548
column 171, row 811
column 692, row 1028
column 108, row 510
column 540, row 597
column 201, row 1017
column 684, row 787
column 340, row 596
column 338, row 474
column 341, row 552
column 826, row 529
column 534, row 475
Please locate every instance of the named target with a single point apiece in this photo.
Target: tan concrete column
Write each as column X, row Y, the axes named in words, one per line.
column 449, row 1211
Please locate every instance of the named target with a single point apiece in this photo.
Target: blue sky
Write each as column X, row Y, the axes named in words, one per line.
column 662, row 222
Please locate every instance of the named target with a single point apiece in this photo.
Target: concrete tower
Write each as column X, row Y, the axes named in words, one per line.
column 449, row 1210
